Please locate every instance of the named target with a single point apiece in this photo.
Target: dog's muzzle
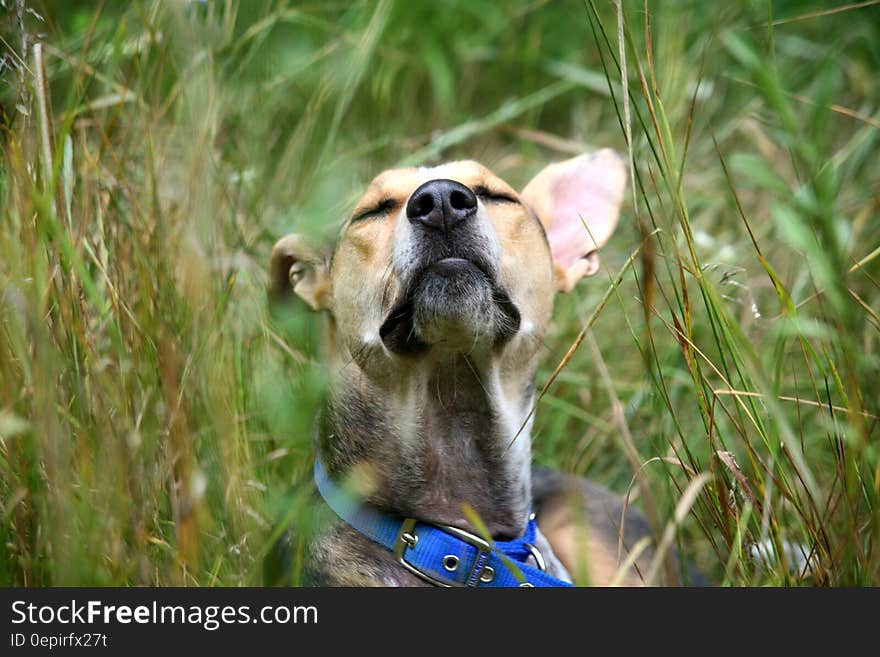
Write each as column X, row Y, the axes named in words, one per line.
column 450, row 289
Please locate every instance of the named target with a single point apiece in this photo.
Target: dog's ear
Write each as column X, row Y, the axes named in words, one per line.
column 578, row 202
column 295, row 268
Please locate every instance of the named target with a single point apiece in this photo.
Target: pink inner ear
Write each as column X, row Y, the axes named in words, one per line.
column 588, row 191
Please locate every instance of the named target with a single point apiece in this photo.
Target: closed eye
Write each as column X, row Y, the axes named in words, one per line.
column 487, row 194
column 379, row 210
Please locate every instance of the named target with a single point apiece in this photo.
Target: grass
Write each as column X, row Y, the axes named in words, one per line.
column 155, row 423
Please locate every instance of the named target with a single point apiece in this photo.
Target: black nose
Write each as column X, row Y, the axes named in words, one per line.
column 441, row 204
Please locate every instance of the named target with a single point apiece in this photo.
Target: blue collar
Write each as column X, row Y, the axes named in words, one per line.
column 441, row 554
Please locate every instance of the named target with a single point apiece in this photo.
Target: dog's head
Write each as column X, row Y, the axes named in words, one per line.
column 451, row 260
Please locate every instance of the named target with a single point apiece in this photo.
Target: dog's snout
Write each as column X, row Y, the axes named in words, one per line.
column 441, row 204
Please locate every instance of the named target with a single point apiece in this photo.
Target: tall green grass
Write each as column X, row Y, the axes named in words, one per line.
column 154, row 421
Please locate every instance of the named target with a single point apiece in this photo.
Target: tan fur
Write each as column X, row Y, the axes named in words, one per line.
column 587, row 552
column 361, row 284
column 295, row 267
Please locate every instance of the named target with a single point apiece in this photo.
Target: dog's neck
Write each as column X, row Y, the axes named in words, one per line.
column 434, row 440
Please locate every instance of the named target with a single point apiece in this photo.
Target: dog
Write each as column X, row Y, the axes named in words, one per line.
column 439, row 292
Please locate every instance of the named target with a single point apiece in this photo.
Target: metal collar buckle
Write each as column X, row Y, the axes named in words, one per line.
column 407, row 539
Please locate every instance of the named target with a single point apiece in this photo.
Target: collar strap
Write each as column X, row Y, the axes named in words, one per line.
column 441, row 554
